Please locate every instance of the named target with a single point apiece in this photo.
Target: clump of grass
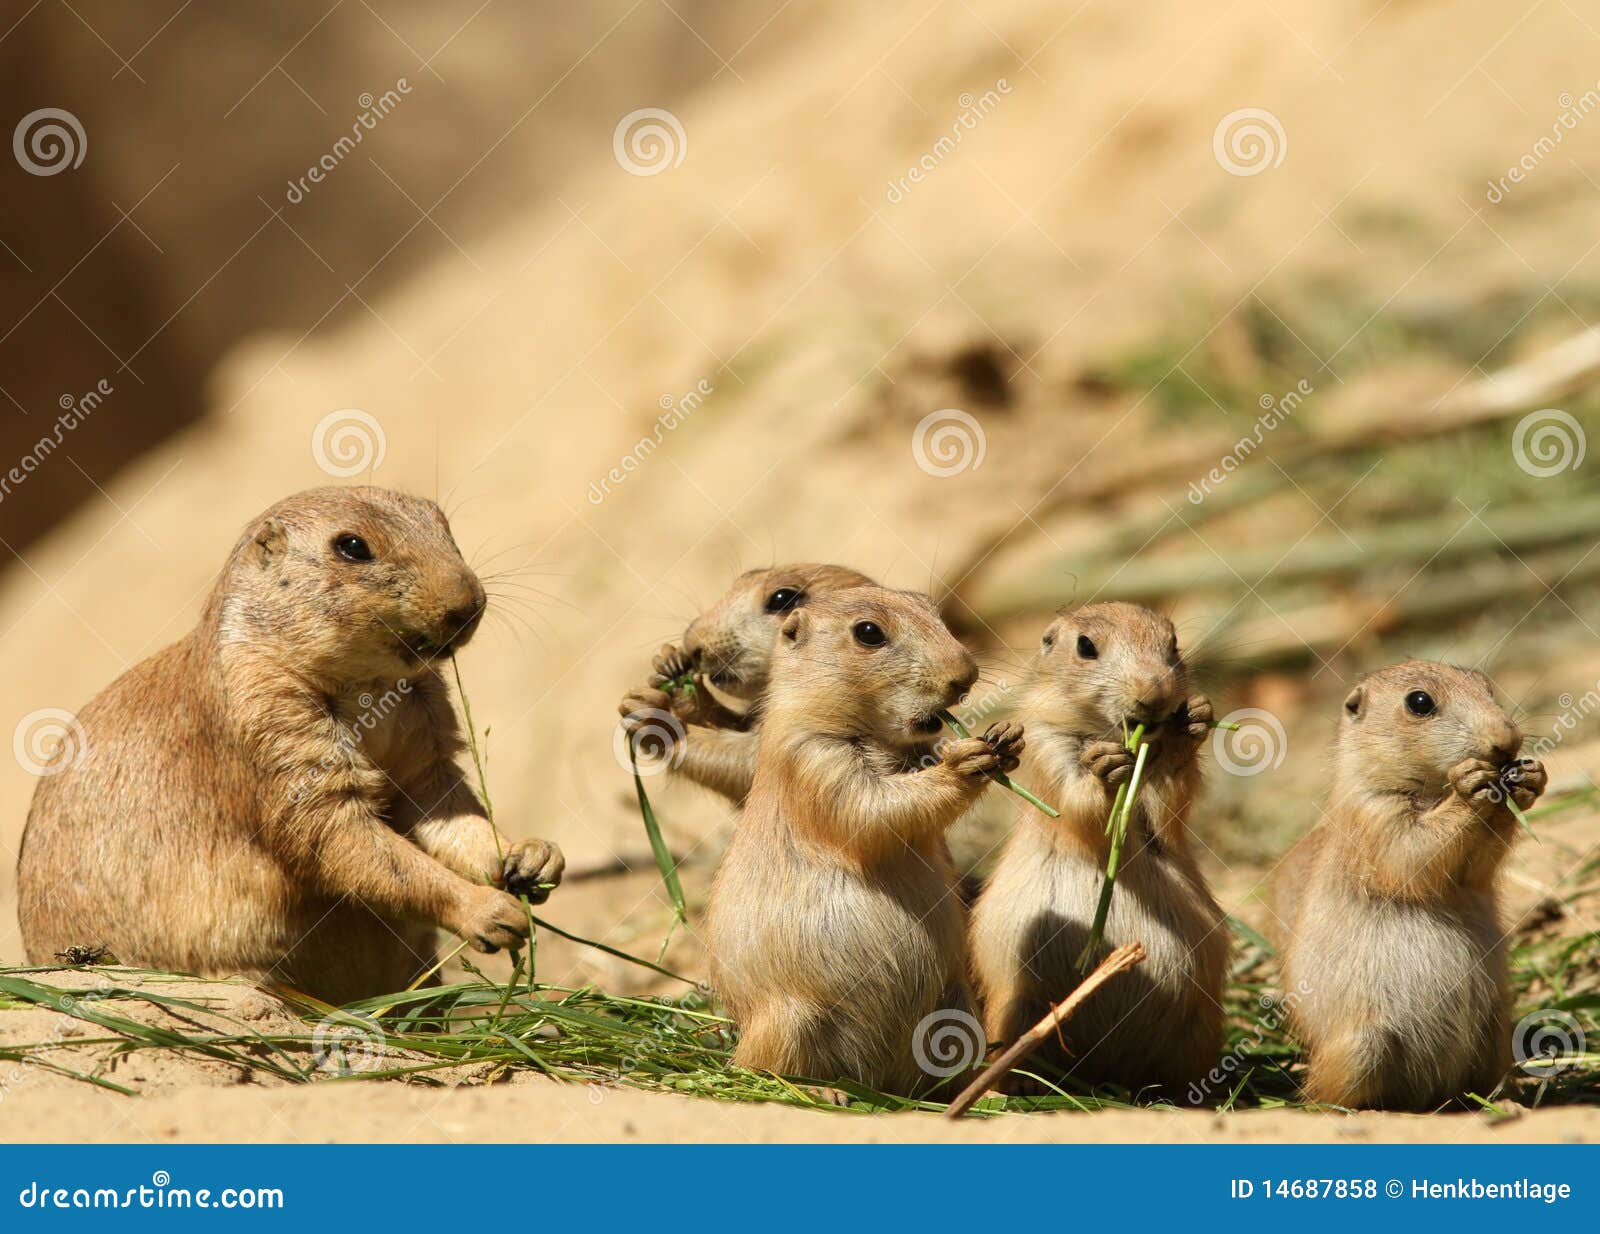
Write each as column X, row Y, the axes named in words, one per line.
column 587, row 1036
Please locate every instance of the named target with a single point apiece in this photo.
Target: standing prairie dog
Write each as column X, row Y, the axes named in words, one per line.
column 1098, row 668
column 277, row 795
column 1386, row 913
column 730, row 646
column 834, row 925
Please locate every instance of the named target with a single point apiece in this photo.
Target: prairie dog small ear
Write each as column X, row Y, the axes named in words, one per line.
column 269, row 542
column 1355, row 703
column 796, row 628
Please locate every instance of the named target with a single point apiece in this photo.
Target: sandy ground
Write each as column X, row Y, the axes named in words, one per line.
column 1084, row 212
column 544, row 1112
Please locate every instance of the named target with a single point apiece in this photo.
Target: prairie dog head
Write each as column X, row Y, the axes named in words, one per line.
column 1403, row 727
column 1103, row 665
column 868, row 662
column 732, row 640
column 351, row 583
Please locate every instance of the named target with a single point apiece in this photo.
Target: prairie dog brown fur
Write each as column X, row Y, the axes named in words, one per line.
column 1097, row 667
column 730, row 645
column 1386, row 912
column 277, row 795
column 834, row 924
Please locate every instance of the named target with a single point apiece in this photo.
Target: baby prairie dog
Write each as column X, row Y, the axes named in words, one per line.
column 1386, row 912
column 1100, row 668
column 278, row 794
column 729, row 646
column 834, row 925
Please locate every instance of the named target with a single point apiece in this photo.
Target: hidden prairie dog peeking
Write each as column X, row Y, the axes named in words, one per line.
column 1386, row 914
column 278, row 794
column 1100, row 670
column 729, row 646
column 834, row 925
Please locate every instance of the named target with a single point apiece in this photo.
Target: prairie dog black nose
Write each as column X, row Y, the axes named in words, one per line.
column 963, row 681
column 467, row 607
column 1504, row 742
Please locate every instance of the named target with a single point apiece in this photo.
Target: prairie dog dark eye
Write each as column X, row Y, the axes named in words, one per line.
column 1086, row 647
column 783, row 599
column 869, row 634
column 1420, row 703
column 351, row 548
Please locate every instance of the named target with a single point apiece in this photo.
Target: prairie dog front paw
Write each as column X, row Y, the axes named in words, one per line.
column 1110, row 762
column 1007, row 741
column 488, row 919
column 529, row 866
column 1525, row 781
column 1477, row 782
column 969, row 757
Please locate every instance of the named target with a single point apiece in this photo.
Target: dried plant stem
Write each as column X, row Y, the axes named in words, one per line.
column 1119, row 961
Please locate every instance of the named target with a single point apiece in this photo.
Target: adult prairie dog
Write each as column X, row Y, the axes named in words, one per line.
column 1386, row 912
column 1099, row 669
column 729, row 646
column 277, row 795
column 834, row 925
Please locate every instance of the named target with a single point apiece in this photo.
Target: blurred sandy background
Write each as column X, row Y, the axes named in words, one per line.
column 1105, row 267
